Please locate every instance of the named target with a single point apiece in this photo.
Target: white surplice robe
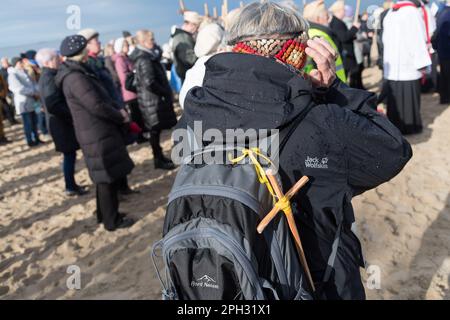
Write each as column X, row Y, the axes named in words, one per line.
column 405, row 44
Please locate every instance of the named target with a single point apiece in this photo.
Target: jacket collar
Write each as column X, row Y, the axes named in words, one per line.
column 141, row 51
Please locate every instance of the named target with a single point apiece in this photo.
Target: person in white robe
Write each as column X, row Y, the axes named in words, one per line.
column 406, row 58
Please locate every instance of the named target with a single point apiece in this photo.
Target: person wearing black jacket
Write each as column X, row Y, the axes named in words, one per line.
column 8, row 110
column 343, row 145
column 3, row 93
column 100, row 127
column 441, row 42
column 97, row 64
column 347, row 38
column 183, row 43
column 59, row 118
column 154, row 95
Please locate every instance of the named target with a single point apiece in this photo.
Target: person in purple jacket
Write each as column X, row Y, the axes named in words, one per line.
column 124, row 67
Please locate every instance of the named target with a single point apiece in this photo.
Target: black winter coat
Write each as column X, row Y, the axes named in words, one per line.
column 343, row 145
column 183, row 44
column 154, row 92
column 347, row 38
column 98, row 123
column 59, row 117
column 98, row 67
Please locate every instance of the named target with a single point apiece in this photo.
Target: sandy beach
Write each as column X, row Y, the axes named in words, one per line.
column 404, row 225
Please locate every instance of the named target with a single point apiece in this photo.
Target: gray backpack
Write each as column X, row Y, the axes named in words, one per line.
column 211, row 249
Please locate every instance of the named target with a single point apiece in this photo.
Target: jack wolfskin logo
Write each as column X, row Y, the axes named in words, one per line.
column 205, row 282
column 316, row 163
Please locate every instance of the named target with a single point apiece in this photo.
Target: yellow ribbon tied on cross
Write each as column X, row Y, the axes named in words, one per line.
column 253, row 155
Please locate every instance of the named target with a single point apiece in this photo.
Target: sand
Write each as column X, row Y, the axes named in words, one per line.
column 404, row 225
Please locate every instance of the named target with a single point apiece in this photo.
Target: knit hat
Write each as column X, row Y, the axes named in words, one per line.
column 15, row 60
column 289, row 51
column 193, row 17
column 118, row 45
column 73, row 45
column 313, row 8
column 338, row 5
column 88, row 34
column 209, row 39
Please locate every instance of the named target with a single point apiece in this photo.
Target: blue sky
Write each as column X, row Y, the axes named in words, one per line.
column 26, row 24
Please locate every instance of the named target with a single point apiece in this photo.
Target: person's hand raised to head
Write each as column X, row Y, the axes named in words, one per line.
column 325, row 57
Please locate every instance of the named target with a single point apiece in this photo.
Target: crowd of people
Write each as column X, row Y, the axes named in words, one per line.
column 102, row 99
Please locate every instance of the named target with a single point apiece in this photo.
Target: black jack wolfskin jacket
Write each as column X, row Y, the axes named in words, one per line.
column 343, row 145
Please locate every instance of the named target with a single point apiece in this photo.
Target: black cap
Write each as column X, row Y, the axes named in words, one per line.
column 15, row 60
column 31, row 54
column 126, row 34
column 73, row 45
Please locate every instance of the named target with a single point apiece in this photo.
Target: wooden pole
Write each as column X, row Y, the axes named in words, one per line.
column 182, row 6
column 206, row 10
column 241, row 4
column 358, row 7
column 215, row 14
column 225, row 8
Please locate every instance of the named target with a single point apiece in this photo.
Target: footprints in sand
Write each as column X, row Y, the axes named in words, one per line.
column 405, row 224
column 42, row 232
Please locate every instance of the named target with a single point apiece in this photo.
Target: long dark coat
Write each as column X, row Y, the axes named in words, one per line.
column 347, row 38
column 59, row 117
column 99, row 125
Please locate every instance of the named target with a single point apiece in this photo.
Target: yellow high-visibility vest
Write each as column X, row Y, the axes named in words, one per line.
column 340, row 71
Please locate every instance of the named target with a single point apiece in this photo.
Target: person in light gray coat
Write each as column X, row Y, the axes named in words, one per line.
column 25, row 96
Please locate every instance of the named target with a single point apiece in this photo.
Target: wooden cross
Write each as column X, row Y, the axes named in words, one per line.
column 284, row 205
column 224, row 9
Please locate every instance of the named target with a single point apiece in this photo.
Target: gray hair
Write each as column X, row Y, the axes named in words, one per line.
column 45, row 55
column 266, row 19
